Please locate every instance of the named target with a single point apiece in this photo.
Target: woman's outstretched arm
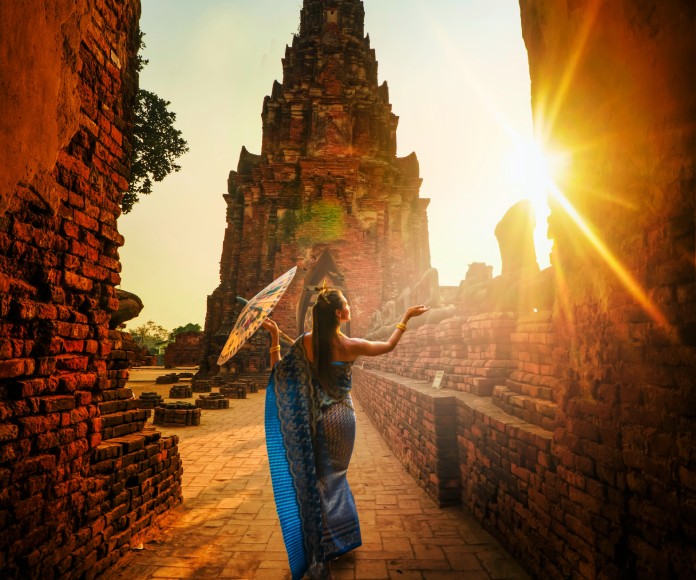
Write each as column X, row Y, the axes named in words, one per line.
column 272, row 329
column 362, row 347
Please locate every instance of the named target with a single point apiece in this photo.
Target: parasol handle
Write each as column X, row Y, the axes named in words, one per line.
column 285, row 337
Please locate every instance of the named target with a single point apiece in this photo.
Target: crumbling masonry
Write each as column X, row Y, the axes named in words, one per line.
column 80, row 477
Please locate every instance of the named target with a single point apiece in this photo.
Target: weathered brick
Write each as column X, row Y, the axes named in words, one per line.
column 32, row 465
column 34, row 425
column 8, row 432
column 12, row 368
column 77, row 282
column 72, row 363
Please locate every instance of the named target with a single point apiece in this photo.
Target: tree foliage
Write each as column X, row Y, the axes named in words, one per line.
column 157, row 144
column 149, row 334
column 190, row 327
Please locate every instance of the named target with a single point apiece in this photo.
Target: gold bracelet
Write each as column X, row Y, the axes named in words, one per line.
column 274, row 349
column 401, row 326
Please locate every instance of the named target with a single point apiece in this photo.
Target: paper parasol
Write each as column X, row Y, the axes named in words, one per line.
column 254, row 313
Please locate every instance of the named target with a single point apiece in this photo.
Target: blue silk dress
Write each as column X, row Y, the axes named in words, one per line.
column 310, row 437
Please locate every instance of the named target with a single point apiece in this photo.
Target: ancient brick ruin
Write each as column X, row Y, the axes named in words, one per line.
column 185, row 351
column 326, row 193
column 80, row 477
column 573, row 438
column 566, row 418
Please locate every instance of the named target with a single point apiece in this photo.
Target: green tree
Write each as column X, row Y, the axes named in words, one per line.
column 190, row 327
column 157, row 144
column 149, row 334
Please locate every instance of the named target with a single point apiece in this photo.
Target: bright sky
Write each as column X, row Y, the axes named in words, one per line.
column 458, row 80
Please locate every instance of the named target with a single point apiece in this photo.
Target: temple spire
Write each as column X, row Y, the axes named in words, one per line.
column 321, row 17
column 326, row 193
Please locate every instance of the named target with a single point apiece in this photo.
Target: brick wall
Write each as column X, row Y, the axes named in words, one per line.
column 419, row 424
column 531, row 390
column 626, row 314
column 509, row 483
column 462, row 443
column 513, row 469
column 79, row 477
column 186, row 350
column 474, row 352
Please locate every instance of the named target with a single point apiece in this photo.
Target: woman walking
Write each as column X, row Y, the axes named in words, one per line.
column 310, row 432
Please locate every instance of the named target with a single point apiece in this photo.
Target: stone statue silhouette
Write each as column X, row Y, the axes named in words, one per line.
column 515, row 235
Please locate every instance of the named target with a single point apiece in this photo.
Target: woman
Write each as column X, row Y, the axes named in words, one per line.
column 310, row 431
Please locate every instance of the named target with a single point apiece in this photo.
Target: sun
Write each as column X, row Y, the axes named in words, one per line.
column 535, row 174
column 532, row 171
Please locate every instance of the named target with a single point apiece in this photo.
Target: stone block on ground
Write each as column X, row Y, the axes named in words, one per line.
column 181, row 392
column 213, row 401
column 177, row 414
column 149, row 400
column 201, row 385
column 234, row 391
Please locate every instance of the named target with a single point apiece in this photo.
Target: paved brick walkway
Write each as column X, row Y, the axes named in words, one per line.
column 227, row 525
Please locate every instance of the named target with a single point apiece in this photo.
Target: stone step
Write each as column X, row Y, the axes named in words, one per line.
column 475, row 385
column 481, row 371
column 528, row 390
column 522, row 376
column 539, row 412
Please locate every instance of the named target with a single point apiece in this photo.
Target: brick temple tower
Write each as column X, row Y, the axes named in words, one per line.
column 327, row 192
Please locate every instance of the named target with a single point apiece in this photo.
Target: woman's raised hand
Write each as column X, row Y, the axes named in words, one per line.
column 416, row 311
column 270, row 326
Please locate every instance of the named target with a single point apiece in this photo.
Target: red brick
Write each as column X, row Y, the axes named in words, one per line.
column 12, row 368
column 71, row 229
column 57, row 403
column 72, row 363
column 8, row 432
column 93, row 272
column 85, row 221
column 34, row 425
column 78, row 283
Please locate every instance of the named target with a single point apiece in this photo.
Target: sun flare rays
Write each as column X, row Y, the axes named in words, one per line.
column 622, row 274
column 538, row 171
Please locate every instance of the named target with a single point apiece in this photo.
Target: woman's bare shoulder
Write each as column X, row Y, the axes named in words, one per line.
column 353, row 344
column 363, row 347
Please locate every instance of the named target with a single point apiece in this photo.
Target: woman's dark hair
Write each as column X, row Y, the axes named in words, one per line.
column 325, row 325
